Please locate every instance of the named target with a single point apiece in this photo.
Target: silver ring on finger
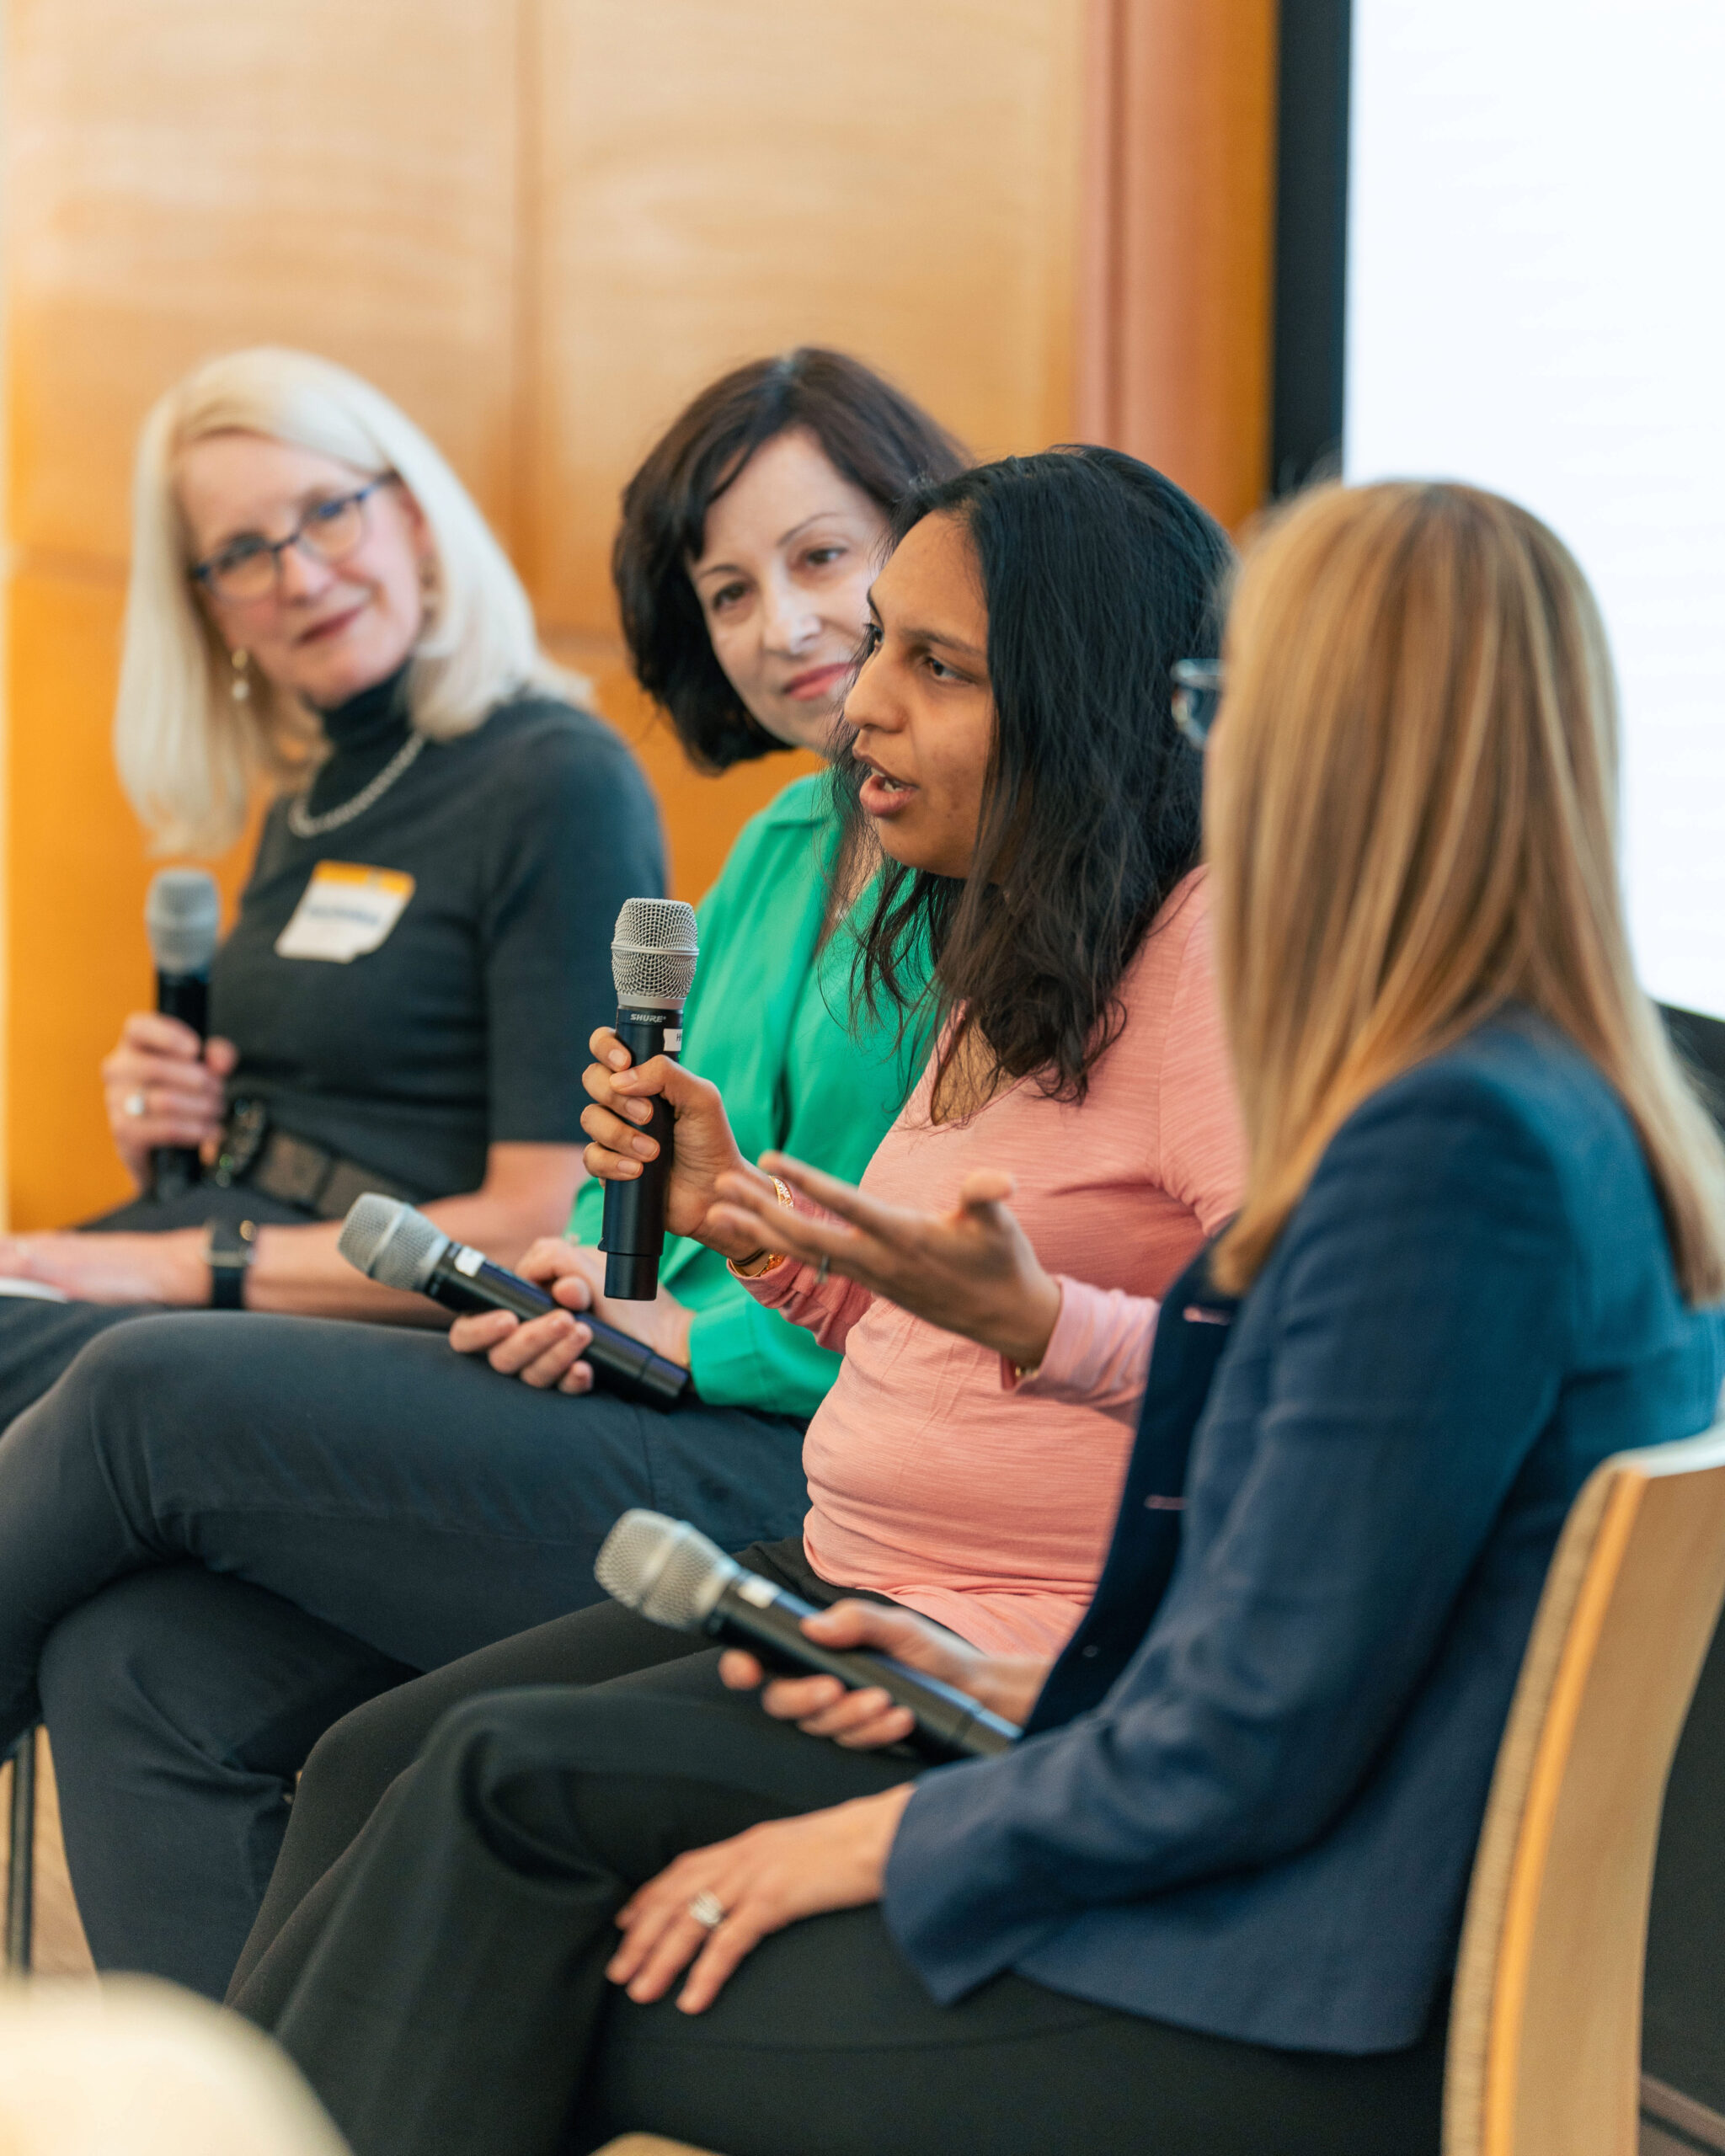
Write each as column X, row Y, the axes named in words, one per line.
column 708, row 1910
column 823, row 1269
column 136, row 1104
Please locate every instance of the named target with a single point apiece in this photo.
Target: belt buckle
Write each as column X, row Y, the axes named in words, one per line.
column 242, row 1139
column 294, row 1169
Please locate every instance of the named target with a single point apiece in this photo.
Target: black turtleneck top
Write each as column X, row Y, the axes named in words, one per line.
column 468, row 1026
column 363, row 734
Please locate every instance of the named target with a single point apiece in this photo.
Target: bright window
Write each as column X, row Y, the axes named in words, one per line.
column 1536, row 303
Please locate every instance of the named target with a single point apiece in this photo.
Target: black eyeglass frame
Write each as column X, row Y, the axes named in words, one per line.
column 206, row 572
column 1197, row 698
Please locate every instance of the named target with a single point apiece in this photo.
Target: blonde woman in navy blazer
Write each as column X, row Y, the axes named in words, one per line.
column 1211, row 1900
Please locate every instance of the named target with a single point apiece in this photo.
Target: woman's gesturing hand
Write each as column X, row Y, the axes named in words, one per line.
column 164, row 1086
column 864, row 1720
column 703, row 1148
column 971, row 1271
column 763, row 1880
column 547, row 1350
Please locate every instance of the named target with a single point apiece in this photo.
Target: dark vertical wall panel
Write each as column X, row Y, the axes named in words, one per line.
column 1312, row 241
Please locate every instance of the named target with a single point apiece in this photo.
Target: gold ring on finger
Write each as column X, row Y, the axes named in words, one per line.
column 708, row 1910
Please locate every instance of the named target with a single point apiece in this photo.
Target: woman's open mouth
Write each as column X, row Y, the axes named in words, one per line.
column 881, row 794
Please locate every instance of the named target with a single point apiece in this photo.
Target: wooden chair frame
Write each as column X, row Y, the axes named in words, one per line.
column 1545, row 2029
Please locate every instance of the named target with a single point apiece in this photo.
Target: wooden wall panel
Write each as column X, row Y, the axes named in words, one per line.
column 899, row 179
column 184, row 177
column 190, row 175
column 75, row 897
column 1179, row 238
column 541, row 225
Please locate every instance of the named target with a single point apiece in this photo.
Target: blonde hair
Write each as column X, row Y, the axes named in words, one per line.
column 1411, row 815
column 189, row 757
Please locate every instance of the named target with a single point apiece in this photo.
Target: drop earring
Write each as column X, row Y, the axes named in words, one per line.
column 428, row 587
column 239, row 688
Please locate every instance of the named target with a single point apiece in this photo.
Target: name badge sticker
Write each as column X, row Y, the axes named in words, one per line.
column 345, row 911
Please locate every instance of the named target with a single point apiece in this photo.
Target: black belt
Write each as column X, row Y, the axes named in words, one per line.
column 293, row 1169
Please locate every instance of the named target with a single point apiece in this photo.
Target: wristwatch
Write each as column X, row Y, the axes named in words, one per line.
column 228, row 1253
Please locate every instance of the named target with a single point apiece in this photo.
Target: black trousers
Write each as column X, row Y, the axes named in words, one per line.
column 218, row 1533
column 349, row 1771
column 450, row 1998
column 1683, row 2020
column 39, row 1340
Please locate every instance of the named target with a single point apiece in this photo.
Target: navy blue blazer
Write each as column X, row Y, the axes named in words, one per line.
column 1248, row 1799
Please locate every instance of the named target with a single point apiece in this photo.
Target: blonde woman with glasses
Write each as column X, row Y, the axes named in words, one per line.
column 318, row 614
column 1210, row 1899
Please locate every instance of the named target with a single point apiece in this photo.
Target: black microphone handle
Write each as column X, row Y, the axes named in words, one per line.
column 622, row 1365
column 633, row 1236
column 752, row 1612
column 176, row 1169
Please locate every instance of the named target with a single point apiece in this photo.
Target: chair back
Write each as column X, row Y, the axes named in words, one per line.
column 1545, row 2028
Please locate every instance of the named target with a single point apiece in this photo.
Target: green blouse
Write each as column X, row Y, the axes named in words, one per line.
column 769, row 1021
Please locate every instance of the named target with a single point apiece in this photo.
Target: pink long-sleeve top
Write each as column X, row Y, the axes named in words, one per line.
column 932, row 1477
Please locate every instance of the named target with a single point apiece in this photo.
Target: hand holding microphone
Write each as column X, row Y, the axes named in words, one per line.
column 396, row 1245
column 669, row 1573
column 654, row 1124
column 550, row 1351
column 866, row 1720
column 653, row 953
column 163, row 1084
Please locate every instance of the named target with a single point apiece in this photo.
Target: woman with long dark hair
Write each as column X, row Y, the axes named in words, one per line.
column 218, row 1535
column 1014, row 756
column 1211, row 1899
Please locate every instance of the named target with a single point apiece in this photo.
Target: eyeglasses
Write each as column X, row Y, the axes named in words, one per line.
column 250, row 566
column 1198, row 693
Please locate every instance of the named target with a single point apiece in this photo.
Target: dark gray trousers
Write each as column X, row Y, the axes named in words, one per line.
column 218, row 1533
column 450, row 1998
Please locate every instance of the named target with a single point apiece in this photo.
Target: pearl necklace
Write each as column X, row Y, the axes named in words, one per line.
column 304, row 826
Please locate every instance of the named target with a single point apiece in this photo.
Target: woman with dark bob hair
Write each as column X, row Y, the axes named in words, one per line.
column 1013, row 755
column 254, row 1528
column 1209, row 1899
column 813, row 409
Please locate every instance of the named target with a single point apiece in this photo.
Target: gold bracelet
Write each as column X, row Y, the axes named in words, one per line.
column 775, row 1258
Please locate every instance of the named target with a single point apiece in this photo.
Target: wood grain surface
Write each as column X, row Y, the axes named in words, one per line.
column 540, row 225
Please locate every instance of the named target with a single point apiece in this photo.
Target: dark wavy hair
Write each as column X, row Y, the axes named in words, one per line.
column 870, row 432
column 1098, row 573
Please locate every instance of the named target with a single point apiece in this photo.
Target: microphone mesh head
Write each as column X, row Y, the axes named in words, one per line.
column 653, row 951
column 663, row 1569
column 391, row 1242
column 183, row 920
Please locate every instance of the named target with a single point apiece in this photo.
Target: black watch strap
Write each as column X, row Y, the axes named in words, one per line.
column 229, row 1252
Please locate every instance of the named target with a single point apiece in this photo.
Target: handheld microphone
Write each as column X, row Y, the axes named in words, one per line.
column 653, row 955
column 393, row 1243
column 669, row 1572
column 183, row 920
